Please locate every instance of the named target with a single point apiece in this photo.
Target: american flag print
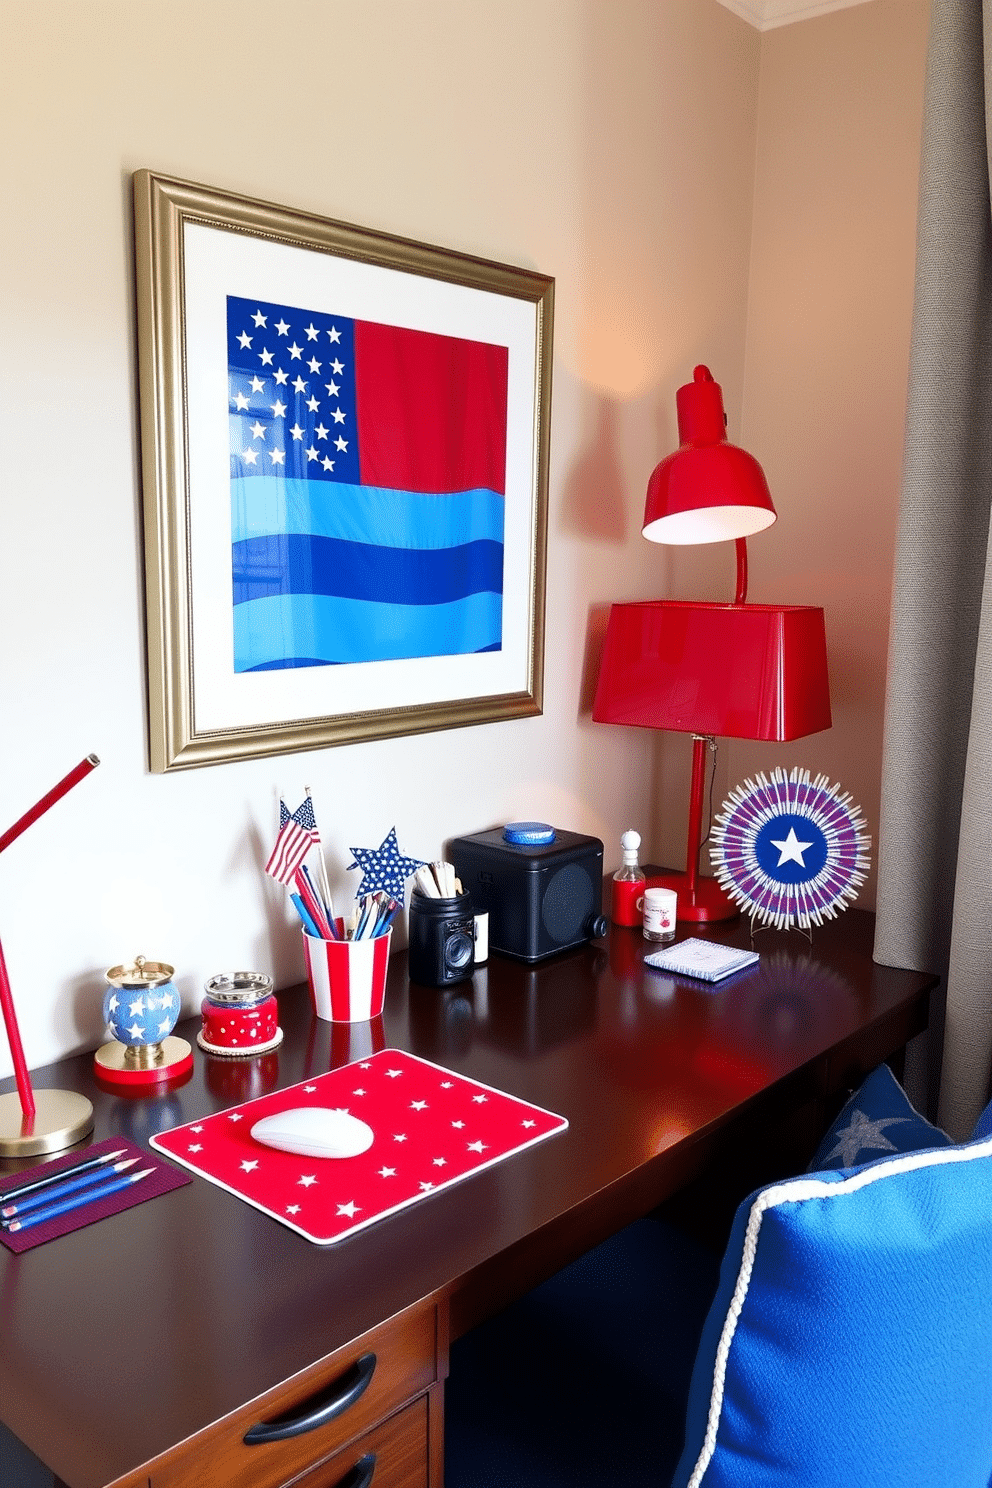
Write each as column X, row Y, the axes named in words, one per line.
column 297, row 834
column 368, row 488
column 432, row 1128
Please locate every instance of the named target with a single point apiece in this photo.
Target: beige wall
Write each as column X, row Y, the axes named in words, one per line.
column 620, row 148
column 611, row 146
column 830, row 303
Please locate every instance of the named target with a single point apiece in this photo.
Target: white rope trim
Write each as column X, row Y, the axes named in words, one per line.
column 796, row 1191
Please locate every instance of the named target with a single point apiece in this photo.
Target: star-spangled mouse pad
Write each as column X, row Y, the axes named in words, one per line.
column 431, row 1128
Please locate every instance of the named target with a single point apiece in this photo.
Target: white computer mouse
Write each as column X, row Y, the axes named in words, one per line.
column 314, row 1131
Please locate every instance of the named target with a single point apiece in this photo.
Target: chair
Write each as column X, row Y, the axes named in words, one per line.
column 846, row 1344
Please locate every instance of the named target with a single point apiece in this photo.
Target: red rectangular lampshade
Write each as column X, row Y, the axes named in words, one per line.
column 747, row 671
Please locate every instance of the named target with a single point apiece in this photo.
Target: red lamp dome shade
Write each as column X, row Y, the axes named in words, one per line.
column 708, row 490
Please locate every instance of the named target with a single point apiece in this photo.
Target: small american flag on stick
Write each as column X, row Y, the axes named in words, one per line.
column 297, row 834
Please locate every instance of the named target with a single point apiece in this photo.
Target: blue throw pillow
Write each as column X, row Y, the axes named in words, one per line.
column 850, row 1340
column 983, row 1126
column 876, row 1121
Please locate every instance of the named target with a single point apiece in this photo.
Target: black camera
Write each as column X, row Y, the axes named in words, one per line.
column 442, row 939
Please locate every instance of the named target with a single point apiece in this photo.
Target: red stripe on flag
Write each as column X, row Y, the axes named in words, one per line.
column 431, row 410
column 292, row 846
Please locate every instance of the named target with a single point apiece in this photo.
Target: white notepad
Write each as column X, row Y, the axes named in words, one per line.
column 701, row 958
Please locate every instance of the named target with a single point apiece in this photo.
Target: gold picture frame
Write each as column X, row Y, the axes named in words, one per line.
column 196, row 248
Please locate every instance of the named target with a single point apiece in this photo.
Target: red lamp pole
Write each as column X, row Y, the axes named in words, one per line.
column 23, row 1081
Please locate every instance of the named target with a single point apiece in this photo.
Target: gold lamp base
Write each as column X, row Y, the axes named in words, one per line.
column 62, row 1118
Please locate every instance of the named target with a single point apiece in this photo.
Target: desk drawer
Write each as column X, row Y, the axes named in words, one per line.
column 393, row 1455
column 357, row 1387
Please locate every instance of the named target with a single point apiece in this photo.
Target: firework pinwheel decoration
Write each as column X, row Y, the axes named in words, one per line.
column 790, row 850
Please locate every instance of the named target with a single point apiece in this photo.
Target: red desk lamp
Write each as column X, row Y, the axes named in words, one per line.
column 739, row 670
column 37, row 1121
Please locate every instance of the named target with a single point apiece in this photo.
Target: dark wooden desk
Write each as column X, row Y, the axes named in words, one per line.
column 124, row 1340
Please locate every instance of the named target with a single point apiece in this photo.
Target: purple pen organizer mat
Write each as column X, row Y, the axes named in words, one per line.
column 162, row 1179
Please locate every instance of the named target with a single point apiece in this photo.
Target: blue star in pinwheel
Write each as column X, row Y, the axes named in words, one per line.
column 385, row 867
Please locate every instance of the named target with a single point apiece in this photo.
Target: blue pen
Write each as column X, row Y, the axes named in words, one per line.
column 58, row 1191
column 90, row 1196
column 305, row 916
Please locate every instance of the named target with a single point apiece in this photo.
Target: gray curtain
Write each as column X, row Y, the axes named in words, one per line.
column 935, row 832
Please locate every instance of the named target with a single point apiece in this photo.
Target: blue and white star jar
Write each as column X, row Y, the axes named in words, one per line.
column 142, row 1007
column 142, row 1004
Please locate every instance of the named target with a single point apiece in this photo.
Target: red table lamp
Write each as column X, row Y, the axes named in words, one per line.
column 740, row 670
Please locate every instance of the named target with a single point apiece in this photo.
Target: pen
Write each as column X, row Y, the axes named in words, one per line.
column 58, row 1191
column 309, row 923
column 89, row 1196
column 60, row 1177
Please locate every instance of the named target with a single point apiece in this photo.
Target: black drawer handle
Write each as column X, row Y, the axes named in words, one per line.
column 349, row 1388
column 360, row 1475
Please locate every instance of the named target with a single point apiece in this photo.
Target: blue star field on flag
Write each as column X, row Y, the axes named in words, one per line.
column 385, row 867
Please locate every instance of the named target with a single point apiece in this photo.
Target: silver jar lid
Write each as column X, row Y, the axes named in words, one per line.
column 238, row 986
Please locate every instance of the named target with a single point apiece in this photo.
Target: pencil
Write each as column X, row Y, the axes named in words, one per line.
column 59, row 1191
column 91, row 1196
column 60, row 1177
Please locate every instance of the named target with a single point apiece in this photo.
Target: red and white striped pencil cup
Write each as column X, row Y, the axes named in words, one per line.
column 347, row 977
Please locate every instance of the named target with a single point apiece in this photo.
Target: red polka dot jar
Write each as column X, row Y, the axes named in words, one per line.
column 240, row 1015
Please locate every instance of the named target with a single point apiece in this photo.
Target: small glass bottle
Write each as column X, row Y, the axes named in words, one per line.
column 628, row 883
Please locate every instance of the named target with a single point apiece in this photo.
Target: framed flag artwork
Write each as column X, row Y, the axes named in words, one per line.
column 344, row 463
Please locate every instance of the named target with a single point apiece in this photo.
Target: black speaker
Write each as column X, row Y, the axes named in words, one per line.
column 541, row 887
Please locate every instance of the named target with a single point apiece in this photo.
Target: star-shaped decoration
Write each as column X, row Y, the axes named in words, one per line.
column 292, row 1208
column 281, row 377
column 477, row 1146
column 385, row 867
column 393, row 1074
column 350, row 1209
column 195, row 1147
column 790, row 849
column 528, row 1123
column 399, row 1137
column 426, row 1187
column 249, row 1165
column 308, row 1180
column 458, row 1124
column 257, row 384
column 196, row 1128
column 233, row 1116
column 418, row 1105
column 440, row 1162
column 447, row 1084
column 359, row 1091
column 863, row 1133
column 309, row 1089
column 258, row 318
column 480, row 1099
column 387, row 1172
